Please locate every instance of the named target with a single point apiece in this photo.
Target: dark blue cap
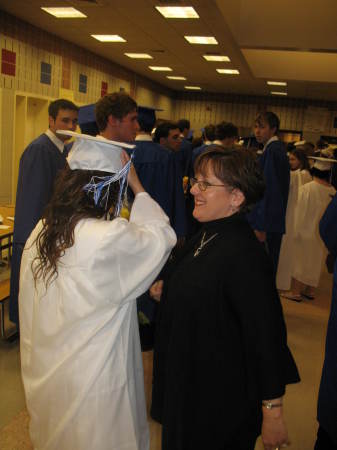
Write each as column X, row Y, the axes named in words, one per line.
column 87, row 120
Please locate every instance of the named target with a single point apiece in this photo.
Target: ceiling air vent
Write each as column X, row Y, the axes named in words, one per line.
column 89, row 2
column 171, row 2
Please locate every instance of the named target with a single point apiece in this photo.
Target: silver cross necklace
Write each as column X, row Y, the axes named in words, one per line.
column 203, row 243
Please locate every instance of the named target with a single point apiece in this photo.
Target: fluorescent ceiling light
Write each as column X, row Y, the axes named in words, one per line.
column 160, row 68
column 228, row 71
column 176, row 78
column 108, row 38
column 277, row 83
column 208, row 40
column 193, row 88
column 64, row 13
column 216, row 58
column 138, row 55
column 178, row 12
column 278, row 93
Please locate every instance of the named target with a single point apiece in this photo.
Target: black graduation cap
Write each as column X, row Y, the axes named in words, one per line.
column 87, row 120
column 147, row 118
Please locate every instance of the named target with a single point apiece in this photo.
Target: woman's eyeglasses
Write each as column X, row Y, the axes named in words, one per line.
column 203, row 185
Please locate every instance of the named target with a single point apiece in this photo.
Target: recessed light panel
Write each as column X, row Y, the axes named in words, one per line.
column 278, row 93
column 218, row 58
column 160, row 68
column 178, row 12
column 228, row 71
column 193, row 88
column 138, row 55
column 108, row 38
column 277, row 83
column 206, row 40
column 176, row 78
column 64, row 13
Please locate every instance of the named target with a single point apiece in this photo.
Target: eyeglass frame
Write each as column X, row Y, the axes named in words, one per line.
column 205, row 184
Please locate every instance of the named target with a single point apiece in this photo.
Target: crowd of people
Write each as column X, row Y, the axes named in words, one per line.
column 204, row 216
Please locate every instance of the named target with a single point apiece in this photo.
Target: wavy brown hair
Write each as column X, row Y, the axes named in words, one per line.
column 69, row 204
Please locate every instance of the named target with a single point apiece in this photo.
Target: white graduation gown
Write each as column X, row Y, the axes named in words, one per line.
column 80, row 351
column 308, row 246
column 287, row 256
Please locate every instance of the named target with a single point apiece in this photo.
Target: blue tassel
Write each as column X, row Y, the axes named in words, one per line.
column 97, row 187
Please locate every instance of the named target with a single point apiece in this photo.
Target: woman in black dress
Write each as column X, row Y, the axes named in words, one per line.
column 221, row 361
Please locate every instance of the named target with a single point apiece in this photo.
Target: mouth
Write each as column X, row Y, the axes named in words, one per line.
column 198, row 202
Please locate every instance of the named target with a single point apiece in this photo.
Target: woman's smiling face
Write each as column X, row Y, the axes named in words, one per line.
column 217, row 201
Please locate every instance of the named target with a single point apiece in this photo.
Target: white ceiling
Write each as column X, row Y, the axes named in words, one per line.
column 293, row 41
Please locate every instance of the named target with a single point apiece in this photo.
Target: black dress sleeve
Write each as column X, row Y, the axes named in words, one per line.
column 251, row 291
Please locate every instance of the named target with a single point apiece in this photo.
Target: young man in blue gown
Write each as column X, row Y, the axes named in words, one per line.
column 268, row 217
column 39, row 164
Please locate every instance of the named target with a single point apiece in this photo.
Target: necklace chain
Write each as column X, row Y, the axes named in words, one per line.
column 203, row 243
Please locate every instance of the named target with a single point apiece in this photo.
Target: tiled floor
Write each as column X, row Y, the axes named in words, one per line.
column 11, row 389
column 306, row 324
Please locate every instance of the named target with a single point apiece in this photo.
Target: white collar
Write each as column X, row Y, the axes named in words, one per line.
column 143, row 137
column 272, row 139
column 217, row 142
column 55, row 140
column 208, row 142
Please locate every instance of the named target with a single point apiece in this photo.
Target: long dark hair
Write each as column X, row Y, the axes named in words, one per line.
column 299, row 153
column 69, row 204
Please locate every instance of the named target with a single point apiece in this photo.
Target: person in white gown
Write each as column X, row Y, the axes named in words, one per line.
column 80, row 277
column 299, row 175
column 309, row 249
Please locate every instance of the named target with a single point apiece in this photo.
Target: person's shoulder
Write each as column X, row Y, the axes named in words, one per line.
column 148, row 150
column 241, row 244
column 41, row 143
column 198, row 150
column 277, row 147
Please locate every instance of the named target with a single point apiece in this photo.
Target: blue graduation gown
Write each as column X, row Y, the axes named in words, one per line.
column 39, row 165
column 327, row 398
column 196, row 152
column 269, row 214
column 160, row 174
column 184, row 155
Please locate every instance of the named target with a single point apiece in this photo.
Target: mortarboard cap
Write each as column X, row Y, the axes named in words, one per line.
column 98, row 153
column 95, row 153
column 147, row 117
column 87, row 119
column 322, row 164
column 299, row 143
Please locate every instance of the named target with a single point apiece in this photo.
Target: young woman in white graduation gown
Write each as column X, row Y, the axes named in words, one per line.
column 299, row 175
column 80, row 276
column 309, row 249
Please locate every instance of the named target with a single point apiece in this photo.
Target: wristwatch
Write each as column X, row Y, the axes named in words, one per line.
column 270, row 405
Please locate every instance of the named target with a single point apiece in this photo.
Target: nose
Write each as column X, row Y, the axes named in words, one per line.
column 194, row 190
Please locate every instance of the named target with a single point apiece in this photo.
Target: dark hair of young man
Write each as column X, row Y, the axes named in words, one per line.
column 117, row 105
column 209, row 132
column 163, row 130
column 183, row 124
column 61, row 103
column 225, row 130
column 270, row 118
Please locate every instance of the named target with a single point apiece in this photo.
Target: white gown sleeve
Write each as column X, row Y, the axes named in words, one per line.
column 134, row 252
